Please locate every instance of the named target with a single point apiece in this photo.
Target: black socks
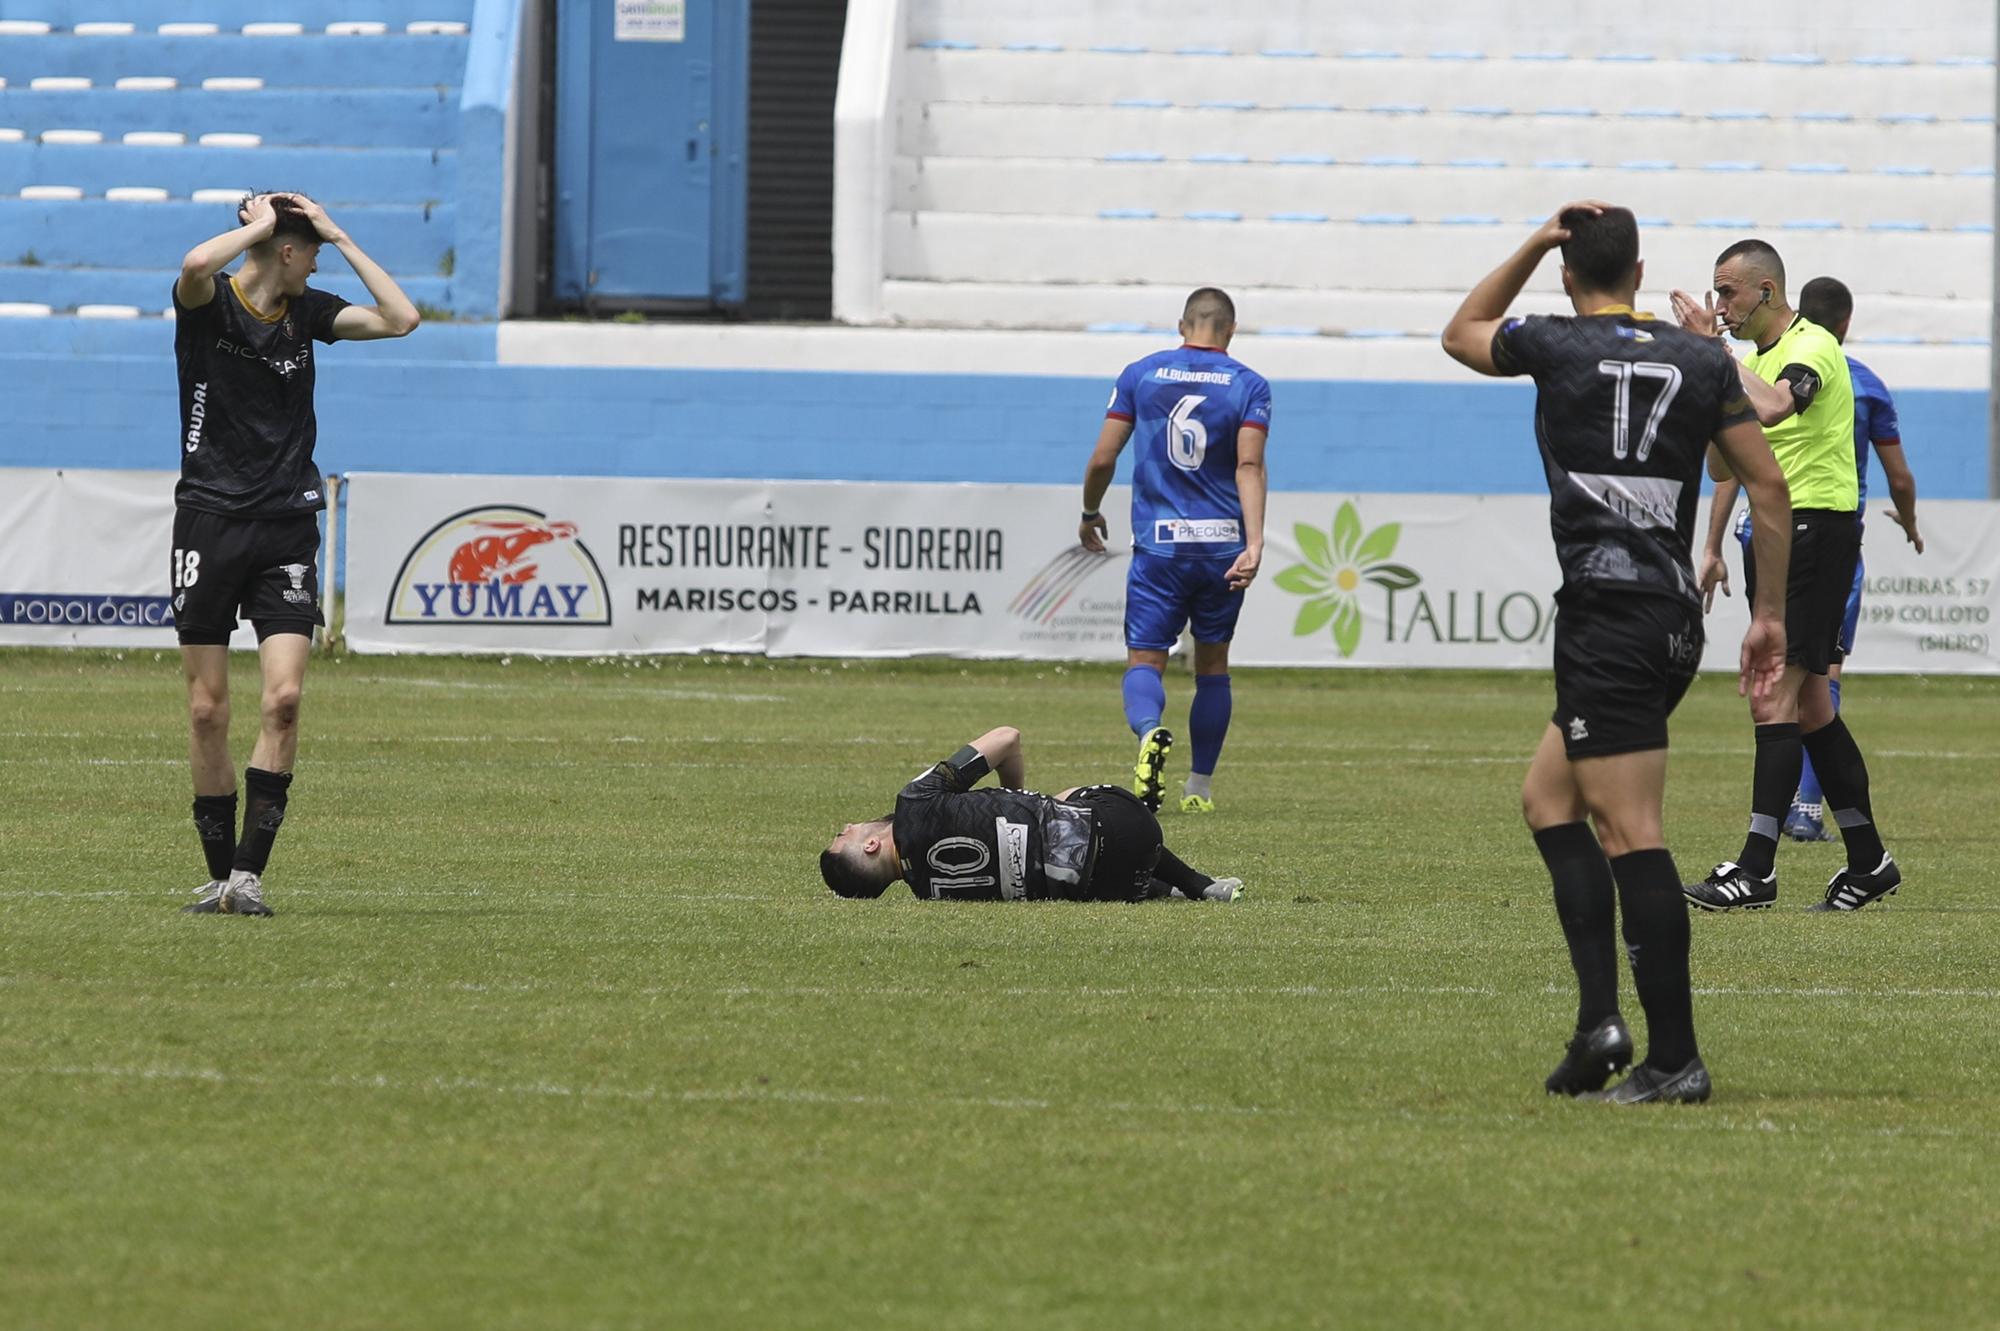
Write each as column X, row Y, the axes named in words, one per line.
column 1843, row 775
column 1172, row 871
column 1656, row 939
column 1780, row 756
column 215, row 824
column 261, row 817
column 1583, row 890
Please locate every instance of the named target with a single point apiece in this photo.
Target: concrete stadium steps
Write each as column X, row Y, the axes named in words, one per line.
column 1431, row 193
column 1350, row 313
column 964, row 248
column 334, row 176
column 311, row 61
column 994, row 130
column 231, row 15
column 1609, row 87
column 153, row 339
column 64, row 288
column 403, row 238
column 376, row 117
column 1835, row 29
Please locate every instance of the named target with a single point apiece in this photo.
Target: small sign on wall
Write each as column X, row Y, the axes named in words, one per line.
column 649, row 20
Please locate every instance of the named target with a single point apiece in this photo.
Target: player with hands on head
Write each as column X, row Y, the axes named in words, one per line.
column 246, row 509
column 951, row 842
column 1627, row 408
column 1200, row 418
column 1802, row 387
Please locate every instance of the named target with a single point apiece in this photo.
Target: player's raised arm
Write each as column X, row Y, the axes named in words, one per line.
column 1468, row 338
column 392, row 315
column 195, row 287
column 1748, row 455
column 1001, row 748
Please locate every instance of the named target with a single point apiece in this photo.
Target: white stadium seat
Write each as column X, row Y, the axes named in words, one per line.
column 52, row 192
column 136, row 194
column 72, row 136
column 356, row 28
column 59, row 83
column 12, row 135
column 154, row 138
column 103, row 29
column 107, row 311
column 24, row 309
column 231, row 140
column 273, row 29
column 218, row 195
column 435, row 28
column 23, row 27
column 147, row 83
column 188, row 29
column 224, row 83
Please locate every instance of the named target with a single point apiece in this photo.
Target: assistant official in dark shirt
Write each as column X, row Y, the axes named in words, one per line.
column 246, row 524
column 950, row 842
column 1625, row 409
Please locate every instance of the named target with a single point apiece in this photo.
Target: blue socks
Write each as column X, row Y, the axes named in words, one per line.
column 1208, row 721
column 1809, row 791
column 1145, row 698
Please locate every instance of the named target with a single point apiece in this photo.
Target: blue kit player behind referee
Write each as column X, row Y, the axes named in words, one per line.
column 1201, row 418
column 1827, row 302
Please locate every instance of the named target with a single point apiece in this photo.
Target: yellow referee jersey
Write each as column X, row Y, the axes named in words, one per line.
column 1814, row 447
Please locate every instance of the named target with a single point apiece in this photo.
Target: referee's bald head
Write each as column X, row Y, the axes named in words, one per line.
column 1756, row 259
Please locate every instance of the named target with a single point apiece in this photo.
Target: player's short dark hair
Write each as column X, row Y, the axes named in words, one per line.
column 1209, row 305
column 292, row 224
column 1603, row 248
column 851, row 876
column 1826, row 301
column 1761, row 253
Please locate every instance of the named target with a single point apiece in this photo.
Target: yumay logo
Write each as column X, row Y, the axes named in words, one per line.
column 1337, row 562
column 500, row 564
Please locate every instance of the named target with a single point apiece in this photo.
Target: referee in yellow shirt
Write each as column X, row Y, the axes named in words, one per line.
column 1797, row 379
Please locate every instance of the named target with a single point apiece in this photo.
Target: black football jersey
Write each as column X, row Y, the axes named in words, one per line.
column 247, row 423
column 991, row 844
column 1625, row 408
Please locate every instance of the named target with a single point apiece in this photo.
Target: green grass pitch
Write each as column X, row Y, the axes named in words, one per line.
column 556, row 1026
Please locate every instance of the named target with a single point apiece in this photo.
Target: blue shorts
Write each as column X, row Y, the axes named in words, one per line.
column 1162, row 595
column 1851, row 618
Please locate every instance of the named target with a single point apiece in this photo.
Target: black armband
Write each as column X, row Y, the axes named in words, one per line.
column 1804, row 382
column 967, row 766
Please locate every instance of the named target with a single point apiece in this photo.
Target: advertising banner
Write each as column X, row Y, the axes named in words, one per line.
column 85, row 559
column 598, row 566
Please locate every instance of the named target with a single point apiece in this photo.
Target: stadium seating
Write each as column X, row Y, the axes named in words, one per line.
column 1077, row 166
column 125, row 129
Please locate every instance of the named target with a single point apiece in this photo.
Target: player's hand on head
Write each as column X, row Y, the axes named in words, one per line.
column 1554, row 233
column 312, row 212
column 1714, row 574
column 257, row 210
column 1092, row 531
column 1909, row 528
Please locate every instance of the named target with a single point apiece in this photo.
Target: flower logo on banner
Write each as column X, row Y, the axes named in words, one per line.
column 1337, row 562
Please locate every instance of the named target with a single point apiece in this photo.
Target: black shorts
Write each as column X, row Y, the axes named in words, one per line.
column 1825, row 545
column 1623, row 663
column 1126, row 845
column 268, row 568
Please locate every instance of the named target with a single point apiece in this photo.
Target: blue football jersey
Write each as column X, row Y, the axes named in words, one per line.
column 1874, row 418
column 1186, row 406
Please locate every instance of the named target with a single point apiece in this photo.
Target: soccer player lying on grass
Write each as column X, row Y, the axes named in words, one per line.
column 951, row 842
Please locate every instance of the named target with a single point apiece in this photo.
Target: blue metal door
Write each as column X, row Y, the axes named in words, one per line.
column 651, row 133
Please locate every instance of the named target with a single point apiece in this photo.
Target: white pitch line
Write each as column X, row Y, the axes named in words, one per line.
column 1706, row 1122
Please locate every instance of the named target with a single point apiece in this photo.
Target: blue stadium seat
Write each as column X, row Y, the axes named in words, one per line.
column 377, row 117
column 304, row 62
column 332, row 175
